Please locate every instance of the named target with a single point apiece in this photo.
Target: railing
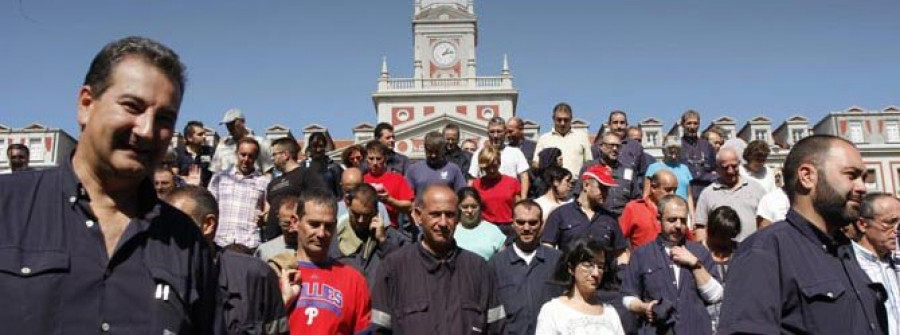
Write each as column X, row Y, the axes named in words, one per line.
column 405, row 84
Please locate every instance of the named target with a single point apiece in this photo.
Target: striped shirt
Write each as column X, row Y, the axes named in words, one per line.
column 885, row 272
column 241, row 199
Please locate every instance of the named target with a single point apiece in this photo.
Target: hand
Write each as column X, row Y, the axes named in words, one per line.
column 683, row 257
column 193, row 177
column 261, row 218
column 648, row 310
column 383, row 196
column 290, row 285
column 377, row 229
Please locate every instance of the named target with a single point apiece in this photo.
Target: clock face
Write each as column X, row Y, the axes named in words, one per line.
column 444, row 53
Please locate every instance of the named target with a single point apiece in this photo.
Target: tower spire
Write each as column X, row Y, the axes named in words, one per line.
column 505, row 65
column 384, row 68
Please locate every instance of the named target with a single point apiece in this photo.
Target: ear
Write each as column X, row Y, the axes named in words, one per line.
column 208, row 227
column 295, row 221
column 416, row 214
column 861, row 226
column 808, row 176
column 85, row 100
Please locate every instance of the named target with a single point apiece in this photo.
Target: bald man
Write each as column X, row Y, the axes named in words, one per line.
column 350, row 179
column 730, row 189
column 639, row 221
column 434, row 287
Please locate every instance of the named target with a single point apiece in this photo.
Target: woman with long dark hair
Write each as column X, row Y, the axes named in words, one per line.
column 582, row 270
column 473, row 234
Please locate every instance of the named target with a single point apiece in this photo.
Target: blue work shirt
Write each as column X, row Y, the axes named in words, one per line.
column 793, row 278
column 523, row 288
column 630, row 186
column 700, row 157
column 56, row 276
column 650, row 275
column 569, row 222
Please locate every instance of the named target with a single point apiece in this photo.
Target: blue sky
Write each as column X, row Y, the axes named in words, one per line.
column 300, row 62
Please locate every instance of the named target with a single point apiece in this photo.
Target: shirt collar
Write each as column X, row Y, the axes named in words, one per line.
column 234, row 171
column 813, row 234
column 512, row 256
column 554, row 132
column 433, row 264
column 740, row 184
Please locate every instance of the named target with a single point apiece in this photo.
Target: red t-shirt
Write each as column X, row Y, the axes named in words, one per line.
column 334, row 299
column 639, row 223
column 397, row 187
column 498, row 198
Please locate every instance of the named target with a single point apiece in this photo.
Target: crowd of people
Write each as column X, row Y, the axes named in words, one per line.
column 563, row 235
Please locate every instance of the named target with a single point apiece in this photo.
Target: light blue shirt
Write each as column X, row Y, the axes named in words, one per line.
column 485, row 239
column 681, row 172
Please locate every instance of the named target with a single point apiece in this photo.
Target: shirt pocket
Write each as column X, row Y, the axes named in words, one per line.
column 820, row 301
column 171, row 306
column 474, row 318
column 31, row 281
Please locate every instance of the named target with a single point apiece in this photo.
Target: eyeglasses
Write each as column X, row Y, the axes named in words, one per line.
column 590, row 266
column 884, row 225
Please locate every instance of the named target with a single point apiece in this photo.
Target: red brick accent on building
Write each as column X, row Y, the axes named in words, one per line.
column 461, row 110
column 494, row 109
column 429, row 110
column 395, row 115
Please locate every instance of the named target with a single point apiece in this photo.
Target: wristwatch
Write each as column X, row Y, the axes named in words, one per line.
column 696, row 265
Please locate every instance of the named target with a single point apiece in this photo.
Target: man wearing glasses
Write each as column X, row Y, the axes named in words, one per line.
column 629, row 183
column 292, row 181
column 879, row 215
column 575, row 146
column 731, row 189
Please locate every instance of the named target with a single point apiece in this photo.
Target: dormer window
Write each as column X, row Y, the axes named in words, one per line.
column 892, row 131
column 797, row 135
column 760, row 134
column 855, row 132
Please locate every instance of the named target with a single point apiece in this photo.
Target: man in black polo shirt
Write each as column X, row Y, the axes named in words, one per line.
column 293, row 180
column 523, row 270
column 586, row 216
column 249, row 297
column 800, row 275
column 394, row 161
column 434, row 287
column 193, row 158
column 91, row 249
column 454, row 153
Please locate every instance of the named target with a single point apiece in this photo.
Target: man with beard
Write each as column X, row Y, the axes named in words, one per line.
column 697, row 154
column 523, row 270
column 292, row 181
column 163, row 182
column 454, row 153
column 287, row 241
column 512, row 160
column 515, row 136
column 224, row 157
column 241, row 193
column 87, row 247
column 631, row 153
column 333, row 298
column 435, row 169
column 879, row 215
column 669, row 282
column 730, row 189
column 625, row 172
column 363, row 240
column 18, row 156
column 434, row 287
column 800, row 275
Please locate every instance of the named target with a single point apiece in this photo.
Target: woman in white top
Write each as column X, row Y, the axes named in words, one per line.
column 578, row 310
column 559, row 182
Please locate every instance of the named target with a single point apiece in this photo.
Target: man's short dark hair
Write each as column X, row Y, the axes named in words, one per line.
column 690, row 113
column 248, row 139
column 528, row 204
column 451, row 126
column 562, row 107
column 376, row 146
column 315, row 196
column 809, row 150
column 204, row 202
column 497, row 121
column 867, row 207
column 366, row 194
column 435, row 140
column 150, row 51
column 189, row 127
column 17, row 146
column 289, row 144
column 381, row 127
column 755, row 150
column 620, row 112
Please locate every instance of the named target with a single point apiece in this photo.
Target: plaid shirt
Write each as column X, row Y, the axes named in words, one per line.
column 241, row 199
column 886, row 272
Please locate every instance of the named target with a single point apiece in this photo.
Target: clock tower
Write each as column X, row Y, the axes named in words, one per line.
column 444, row 87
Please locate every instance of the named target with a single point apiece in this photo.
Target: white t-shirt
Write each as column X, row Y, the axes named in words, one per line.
column 558, row 318
column 548, row 205
column 773, row 206
column 765, row 177
column 512, row 163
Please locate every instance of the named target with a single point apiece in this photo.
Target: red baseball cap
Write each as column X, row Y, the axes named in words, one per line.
column 601, row 174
